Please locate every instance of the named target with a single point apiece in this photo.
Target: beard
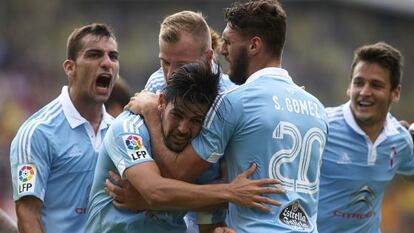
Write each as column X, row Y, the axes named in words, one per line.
column 238, row 70
column 168, row 138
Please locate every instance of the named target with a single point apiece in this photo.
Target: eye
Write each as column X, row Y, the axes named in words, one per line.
column 378, row 85
column 358, row 83
column 114, row 56
column 197, row 121
column 176, row 115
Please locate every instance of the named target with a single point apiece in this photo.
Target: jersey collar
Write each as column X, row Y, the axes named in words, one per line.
column 388, row 130
column 270, row 71
column 73, row 116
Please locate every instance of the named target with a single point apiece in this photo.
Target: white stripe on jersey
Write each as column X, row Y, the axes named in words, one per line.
column 24, row 146
column 334, row 114
column 132, row 124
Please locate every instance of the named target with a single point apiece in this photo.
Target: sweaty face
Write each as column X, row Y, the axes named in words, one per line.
column 95, row 70
column 175, row 55
column 371, row 94
column 235, row 51
column 180, row 124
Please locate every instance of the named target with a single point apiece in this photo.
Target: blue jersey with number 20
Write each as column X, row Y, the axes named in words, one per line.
column 276, row 124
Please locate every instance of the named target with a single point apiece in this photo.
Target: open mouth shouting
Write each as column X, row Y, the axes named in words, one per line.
column 103, row 83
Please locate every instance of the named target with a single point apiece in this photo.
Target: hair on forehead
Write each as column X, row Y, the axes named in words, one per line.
column 75, row 44
column 384, row 55
column 186, row 22
column 263, row 18
column 193, row 84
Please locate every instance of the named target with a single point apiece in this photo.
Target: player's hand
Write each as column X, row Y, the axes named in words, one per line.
column 248, row 193
column 123, row 194
column 143, row 102
column 224, row 230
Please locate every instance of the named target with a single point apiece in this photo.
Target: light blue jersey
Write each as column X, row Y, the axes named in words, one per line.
column 127, row 144
column 156, row 82
column 274, row 123
column 355, row 172
column 53, row 158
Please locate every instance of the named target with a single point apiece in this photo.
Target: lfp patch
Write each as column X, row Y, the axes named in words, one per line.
column 26, row 178
column 135, row 148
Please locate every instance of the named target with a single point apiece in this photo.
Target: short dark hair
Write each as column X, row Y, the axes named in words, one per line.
column 384, row 55
column 74, row 43
column 263, row 18
column 193, row 83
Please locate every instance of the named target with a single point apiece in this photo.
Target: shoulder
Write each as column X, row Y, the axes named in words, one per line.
column 156, row 81
column 46, row 119
column 225, row 83
column 401, row 131
column 128, row 122
column 335, row 114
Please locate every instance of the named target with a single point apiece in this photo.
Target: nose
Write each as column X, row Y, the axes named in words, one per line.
column 366, row 89
column 184, row 127
column 106, row 62
column 170, row 70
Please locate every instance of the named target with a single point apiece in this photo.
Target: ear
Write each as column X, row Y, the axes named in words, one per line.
column 395, row 94
column 255, row 45
column 209, row 55
column 161, row 102
column 348, row 90
column 69, row 67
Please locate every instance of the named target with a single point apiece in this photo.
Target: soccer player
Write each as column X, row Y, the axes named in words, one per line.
column 185, row 37
column 267, row 120
column 366, row 146
column 54, row 153
column 126, row 148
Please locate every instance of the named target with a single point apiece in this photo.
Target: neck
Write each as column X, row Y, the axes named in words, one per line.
column 372, row 130
column 91, row 111
column 261, row 62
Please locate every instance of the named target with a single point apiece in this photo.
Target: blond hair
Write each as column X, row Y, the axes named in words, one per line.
column 189, row 22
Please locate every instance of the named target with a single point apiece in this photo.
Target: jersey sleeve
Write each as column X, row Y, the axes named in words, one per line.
column 218, row 127
column 30, row 162
column 406, row 167
column 156, row 82
column 127, row 147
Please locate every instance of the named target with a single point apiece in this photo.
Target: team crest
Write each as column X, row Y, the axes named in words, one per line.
column 135, row 148
column 295, row 217
column 26, row 178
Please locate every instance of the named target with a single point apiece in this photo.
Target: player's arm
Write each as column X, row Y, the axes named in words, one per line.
column 165, row 193
column 125, row 196
column 186, row 165
column 28, row 215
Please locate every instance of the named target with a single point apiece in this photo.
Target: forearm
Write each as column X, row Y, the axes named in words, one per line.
column 174, row 194
column 28, row 215
column 165, row 193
